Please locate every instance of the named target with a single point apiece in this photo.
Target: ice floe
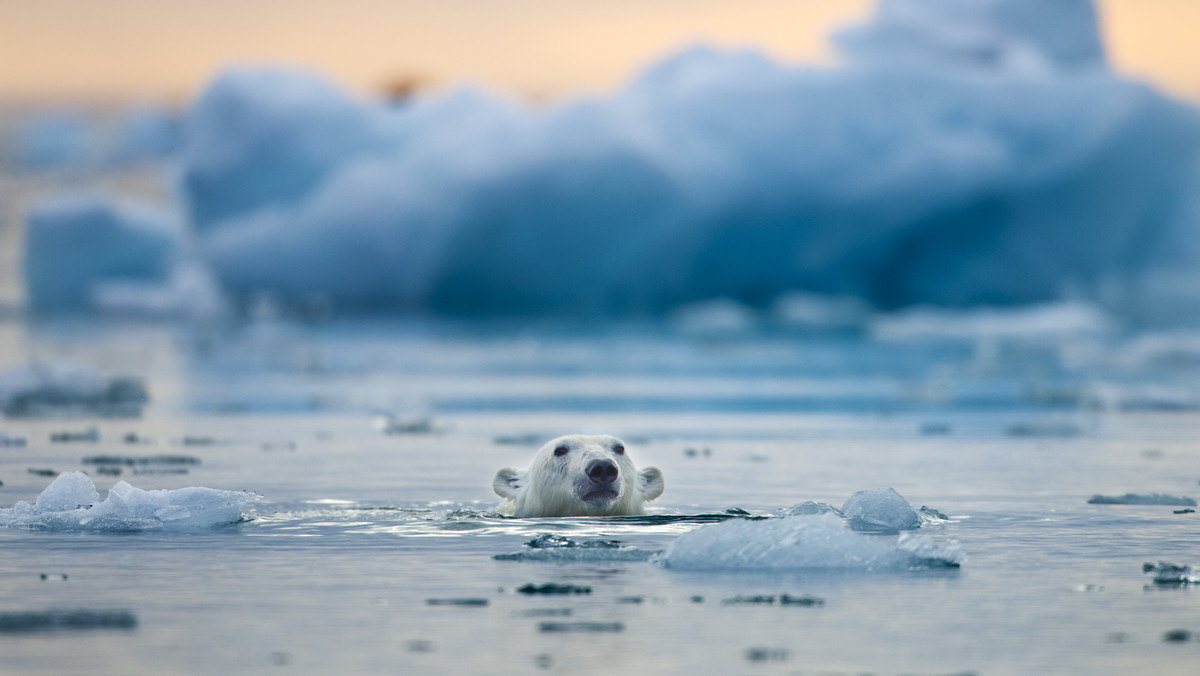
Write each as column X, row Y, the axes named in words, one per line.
column 71, row 502
column 804, row 542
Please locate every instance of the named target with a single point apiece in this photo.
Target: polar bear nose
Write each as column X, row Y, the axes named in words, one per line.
column 602, row 471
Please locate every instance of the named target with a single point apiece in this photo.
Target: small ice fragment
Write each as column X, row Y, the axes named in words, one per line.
column 553, row 588
column 772, row 600
column 587, row 627
column 547, row 540
column 1141, row 499
column 89, row 436
column 551, row 547
column 763, row 654
column 592, row 554
column 1048, row 428
column 808, row 507
column 880, row 510
column 1171, row 574
column 130, row 460
column 389, row 424
column 469, row 602
column 55, row 620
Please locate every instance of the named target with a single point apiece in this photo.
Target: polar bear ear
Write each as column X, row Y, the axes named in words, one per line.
column 506, row 483
column 650, row 483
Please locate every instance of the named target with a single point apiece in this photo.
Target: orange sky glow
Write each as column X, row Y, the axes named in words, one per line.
column 167, row 49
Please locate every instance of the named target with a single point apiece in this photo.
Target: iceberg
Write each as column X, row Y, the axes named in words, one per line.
column 75, row 244
column 815, row 542
column 264, row 138
column 71, row 503
column 963, row 154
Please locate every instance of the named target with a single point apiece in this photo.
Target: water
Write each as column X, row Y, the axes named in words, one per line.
column 359, row 530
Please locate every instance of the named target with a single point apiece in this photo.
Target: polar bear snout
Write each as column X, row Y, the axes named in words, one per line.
column 602, row 472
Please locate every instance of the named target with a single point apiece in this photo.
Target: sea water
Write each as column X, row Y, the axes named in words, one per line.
column 373, row 548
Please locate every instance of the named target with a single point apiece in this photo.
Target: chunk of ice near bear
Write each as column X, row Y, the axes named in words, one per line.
column 875, row 510
column 814, row 542
column 578, row 475
column 880, row 510
column 71, row 502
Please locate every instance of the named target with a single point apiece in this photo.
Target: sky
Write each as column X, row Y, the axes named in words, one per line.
column 167, row 49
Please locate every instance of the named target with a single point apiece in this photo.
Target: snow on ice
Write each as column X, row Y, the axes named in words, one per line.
column 71, row 502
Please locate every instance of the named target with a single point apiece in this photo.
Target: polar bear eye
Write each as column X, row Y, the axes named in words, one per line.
column 561, row 451
column 619, row 449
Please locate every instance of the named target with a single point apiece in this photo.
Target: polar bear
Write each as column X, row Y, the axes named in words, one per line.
column 578, row 475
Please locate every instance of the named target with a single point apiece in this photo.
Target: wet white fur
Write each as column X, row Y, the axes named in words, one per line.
column 552, row 485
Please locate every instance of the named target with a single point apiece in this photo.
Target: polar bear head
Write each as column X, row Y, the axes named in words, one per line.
column 578, row 475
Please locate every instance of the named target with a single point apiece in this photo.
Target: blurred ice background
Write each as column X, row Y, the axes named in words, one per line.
column 979, row 153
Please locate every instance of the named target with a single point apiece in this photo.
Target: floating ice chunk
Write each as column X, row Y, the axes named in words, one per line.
column 549, row 547
column 804, row 542
column 69, row 492
column 880, row 510
column 63, row 389
column 75, row 243
column 808, row 508
column 21, row 622
column 71, row 502
column 1171, row 574
column 1141, row 499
